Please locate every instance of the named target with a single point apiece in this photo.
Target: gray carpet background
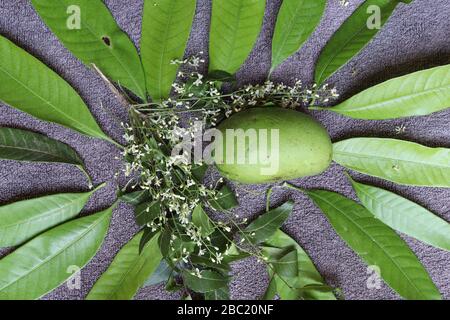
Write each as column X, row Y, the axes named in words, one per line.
column 416, row 37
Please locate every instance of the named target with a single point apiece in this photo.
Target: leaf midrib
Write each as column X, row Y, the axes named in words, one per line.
column 44, row 215
column 4, row 146
column 364, row 156
column 87, row 129
column 373, row 241
column 64, row 248
column 370, row 106
column 112, row 52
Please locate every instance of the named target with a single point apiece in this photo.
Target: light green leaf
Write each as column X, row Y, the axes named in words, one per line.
column 378, row 245
column 209, row 281
column 415, row 94
column 90, row 32
column 22, row 220
column 42, row 264
column 353, row 35
column 128, row 271
column 235, row 26
column 296, row 20
column 268, row 223
column 307, row 272
column 201, row 220
column 404, row 215
column 398, row 161
column 166, row 26
column 23, row 145
column 226, row 199
column 32, row 87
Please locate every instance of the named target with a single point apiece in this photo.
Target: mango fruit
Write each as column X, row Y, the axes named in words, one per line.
column 269, row 144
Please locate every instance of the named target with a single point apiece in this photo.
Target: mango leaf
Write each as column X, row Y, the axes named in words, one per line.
column 377, row 244
column 226, row 199
column 307, row 274
column 268, row 223
column 42, row 264
column 219, row 294
column 416, row 94
column 235, row 26
column 404, row 215
column 398, row 161
column 201, row 220
column 147, row 212
column 128, row 271
column 296, row 20
column 135, row 198
column 161, row 274
column 32, row 87
column 90, row 32
column 166, row 26
column 23, row 145
column 353, row 35
column 209, row 281
column 22, row 220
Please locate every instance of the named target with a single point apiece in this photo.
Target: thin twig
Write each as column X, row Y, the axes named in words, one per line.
column 111, row 86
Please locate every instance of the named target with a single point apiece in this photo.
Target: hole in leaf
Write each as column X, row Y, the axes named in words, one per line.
column 107, row 41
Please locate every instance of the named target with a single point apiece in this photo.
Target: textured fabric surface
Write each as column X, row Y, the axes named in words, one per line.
column 416, row 37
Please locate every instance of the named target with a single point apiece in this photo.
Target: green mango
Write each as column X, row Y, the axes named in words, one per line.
column 269, row 144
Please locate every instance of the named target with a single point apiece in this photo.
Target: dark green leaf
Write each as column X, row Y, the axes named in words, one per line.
column 222, row 76
column 307, row 273
column 135, row 198
column 147, row 212
column 296, row 20
column 97, row 40
column 199, row 171
column 32, row 87
column 23, row 145
column 353, row 35
column 219, row 294
column 404, row 215
column 146, row 237
column 271, row 290
column 226, row 199
column 42, row 264
column 235, row 26
column 22, row 220
column 161, row 274
column 128, row 271
column 205, row 261
column 209, row 281
column 283, row 260
column 268, row 223
column 166, row 26
column 398, row 161
column 378, row 245
column 201, row 220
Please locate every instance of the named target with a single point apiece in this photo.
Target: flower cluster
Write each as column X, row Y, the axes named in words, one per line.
column 172, row 183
